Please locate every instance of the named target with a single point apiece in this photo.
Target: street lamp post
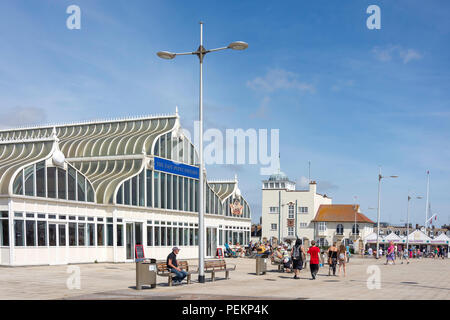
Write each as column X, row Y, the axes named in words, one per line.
column 200, row 53
column 407, row 221
column 379, row 202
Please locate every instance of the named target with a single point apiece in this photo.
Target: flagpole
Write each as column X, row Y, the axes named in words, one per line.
column 426, row 204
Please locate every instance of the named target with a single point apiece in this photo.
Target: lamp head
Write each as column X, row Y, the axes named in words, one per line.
column 238, row 45
column 166, row 55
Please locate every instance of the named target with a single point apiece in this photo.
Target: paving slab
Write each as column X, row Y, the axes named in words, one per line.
column 421, row 279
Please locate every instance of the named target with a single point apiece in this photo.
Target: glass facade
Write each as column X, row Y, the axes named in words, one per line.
column 52, row 182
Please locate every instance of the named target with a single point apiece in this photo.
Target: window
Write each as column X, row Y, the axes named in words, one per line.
column 163, row 190
column 42, row 233
column 340, row 229
column 119, row 235
column 100, row 234
column 291, row 211
column 150, row 236
column 303, row 210
column 322, row 226
column 72, row 234
column 149, row 188
column 62, row 184
column 18, row 233
column 134, row 193
column 273, row 227
column 163, row 236
column 186, row 236
column 91, row 234
column 157, row 236
column 62, row 234
column 71, row 187
column 186, row 194
column 40, row 179
column 18, row 183
column 175, row 192
column 156, row 186
column 52, row 235
column 142, row 188
column 29, row 181
column 4, row 229
column 355, row 229
column 273, row 210
column 30, row 233
column 191, row 236
column 82, row 234
column 126, row 192
column 110, row 233
column 81, row 187
column 266, row 185
column 180, row 193
column 51, row 182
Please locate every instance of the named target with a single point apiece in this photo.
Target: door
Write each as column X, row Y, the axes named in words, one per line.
column 129, row 241
column 57, row 243
column 133, row 233
column 211, row 242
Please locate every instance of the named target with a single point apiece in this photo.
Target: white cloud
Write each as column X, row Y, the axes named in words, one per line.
column 409, row 55
column 391, row 52
column 279, row 79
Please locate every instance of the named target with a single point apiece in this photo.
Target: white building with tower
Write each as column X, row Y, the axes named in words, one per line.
column 287, row 213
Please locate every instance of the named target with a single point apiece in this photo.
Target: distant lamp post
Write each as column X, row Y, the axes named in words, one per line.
column 379, row 203
column 200, row 53
column 407, row 219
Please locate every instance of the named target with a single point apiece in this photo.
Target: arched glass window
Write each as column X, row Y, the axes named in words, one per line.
column 355, row 229
column 175, row 148
column 339, row 229
column 48, row 181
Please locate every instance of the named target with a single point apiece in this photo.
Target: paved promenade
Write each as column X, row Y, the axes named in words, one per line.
column 425, row 279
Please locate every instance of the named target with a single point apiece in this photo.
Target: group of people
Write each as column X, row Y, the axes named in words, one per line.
column 295, row 258
column 394, row 252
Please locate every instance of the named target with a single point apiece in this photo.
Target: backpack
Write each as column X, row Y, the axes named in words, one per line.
column 297, row 254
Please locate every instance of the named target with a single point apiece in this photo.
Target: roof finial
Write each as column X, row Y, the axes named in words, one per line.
column 176, row 111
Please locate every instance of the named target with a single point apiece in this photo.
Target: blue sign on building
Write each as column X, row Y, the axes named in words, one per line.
column 176, row 168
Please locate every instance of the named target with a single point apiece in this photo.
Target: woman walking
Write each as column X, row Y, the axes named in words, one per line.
column 342, row 256
column 332, row 258
column 297, row 254
column 390, row 254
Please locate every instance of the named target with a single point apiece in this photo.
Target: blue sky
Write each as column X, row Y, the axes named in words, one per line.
column 346, row 98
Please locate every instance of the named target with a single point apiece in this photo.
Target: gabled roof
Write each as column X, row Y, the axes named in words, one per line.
column 340, row 213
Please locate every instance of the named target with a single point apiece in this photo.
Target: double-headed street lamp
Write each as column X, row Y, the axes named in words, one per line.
column 200, row 53
column 379, row 203
column 407, row 220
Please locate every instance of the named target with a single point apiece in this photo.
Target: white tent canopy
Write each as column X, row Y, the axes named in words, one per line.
column 371, row 238
column 441, row 239
column 419, row 237
column 392, row 237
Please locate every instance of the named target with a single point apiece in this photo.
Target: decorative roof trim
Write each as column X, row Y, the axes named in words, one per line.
column 100, row 121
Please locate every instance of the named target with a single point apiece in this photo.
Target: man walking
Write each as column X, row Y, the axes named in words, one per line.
column 314, row 260
column 172, row 264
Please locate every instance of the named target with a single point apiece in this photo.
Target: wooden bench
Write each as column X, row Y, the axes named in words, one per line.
column 164, row 271
column 213, row 266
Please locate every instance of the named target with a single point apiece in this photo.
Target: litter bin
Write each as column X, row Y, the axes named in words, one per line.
column 145, row 273
column 261, row 264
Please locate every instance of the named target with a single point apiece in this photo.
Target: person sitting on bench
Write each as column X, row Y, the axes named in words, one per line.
column 173, row 266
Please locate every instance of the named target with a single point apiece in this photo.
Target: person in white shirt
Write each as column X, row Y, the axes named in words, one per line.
column 370, row 252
